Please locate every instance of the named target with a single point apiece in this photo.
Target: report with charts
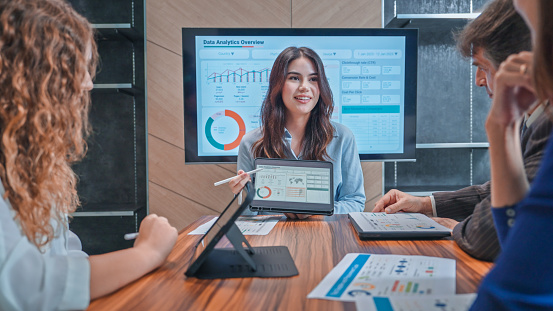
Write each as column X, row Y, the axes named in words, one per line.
column 387, row 275
column 399, row 225
column 460, row 302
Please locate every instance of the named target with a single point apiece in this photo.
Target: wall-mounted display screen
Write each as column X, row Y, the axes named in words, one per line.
column 372, row 74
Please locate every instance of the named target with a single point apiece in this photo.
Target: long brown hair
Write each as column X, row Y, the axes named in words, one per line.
column 43, row 110
column 543, row 51
column 319, row 131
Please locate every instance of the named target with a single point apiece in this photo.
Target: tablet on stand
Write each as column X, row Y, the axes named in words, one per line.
column 242, row 260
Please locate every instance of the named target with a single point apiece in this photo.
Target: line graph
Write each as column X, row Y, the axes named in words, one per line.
column 240, row 75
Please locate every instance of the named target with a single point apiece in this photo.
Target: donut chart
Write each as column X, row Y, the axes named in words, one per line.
column 425, row 227
column 261, row 193
column 241, row 129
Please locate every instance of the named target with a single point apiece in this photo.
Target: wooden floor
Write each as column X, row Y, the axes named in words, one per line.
column 316, row 245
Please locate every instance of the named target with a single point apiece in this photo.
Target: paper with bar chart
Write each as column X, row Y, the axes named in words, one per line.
column 365, row 75
column 387, row 275
column 461, row 302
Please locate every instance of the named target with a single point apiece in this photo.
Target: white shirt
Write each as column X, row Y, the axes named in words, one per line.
column 58, row 278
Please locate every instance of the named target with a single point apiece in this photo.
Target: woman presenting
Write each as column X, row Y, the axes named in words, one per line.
column 295, row 124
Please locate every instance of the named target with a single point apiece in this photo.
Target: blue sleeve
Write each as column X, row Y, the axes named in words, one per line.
column 521, row 278
column 350, row 192
column 502, row 219
column 522, row 275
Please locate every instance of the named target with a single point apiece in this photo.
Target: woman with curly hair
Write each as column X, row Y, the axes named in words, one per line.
column 295, row 124
column 47, row 57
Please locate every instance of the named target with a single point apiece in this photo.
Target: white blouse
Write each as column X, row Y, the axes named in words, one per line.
column 58, row 278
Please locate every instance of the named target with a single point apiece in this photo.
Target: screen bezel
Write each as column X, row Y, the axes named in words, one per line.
column 199, row 255
column 189, row 83
column 295, row 207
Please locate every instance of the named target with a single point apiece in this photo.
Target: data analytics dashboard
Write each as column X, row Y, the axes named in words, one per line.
column 371, row 72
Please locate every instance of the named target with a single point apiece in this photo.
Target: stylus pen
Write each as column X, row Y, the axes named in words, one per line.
column 131, row 236
column 229, row 179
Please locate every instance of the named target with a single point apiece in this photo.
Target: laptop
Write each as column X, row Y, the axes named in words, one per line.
column 293, row 186
column 400, row 225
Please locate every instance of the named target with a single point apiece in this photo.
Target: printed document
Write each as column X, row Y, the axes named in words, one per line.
column 387, row 275
column 248, row 225
column 419, row 303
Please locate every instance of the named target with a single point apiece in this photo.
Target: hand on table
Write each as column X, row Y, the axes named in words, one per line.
column 395, row 201
column 157, row 237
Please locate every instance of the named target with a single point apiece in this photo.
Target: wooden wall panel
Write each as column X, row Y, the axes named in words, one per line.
column 165, row 18
column 165, row 101
column 193, row 181
column 183, row 192
column 175, row 207
column 336, row 14
column 372, row 175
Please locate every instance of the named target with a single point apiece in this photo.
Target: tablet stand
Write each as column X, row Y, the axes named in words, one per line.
column 238, row 262
column 236, row 238
column 244, row 262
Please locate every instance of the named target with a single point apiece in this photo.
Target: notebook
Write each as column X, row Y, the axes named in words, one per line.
column 399, row 225
column 293, row 186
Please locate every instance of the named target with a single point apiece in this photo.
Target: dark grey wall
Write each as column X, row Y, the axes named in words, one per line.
column 113, row 175
column 437, row 6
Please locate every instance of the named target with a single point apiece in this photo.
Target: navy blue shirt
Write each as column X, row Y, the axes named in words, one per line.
column 522, row 278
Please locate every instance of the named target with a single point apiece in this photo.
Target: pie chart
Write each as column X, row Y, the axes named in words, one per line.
column 221, row 114
column 264, row 192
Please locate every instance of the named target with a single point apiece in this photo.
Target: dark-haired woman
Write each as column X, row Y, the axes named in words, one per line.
column 523, row 214
column 296, row 124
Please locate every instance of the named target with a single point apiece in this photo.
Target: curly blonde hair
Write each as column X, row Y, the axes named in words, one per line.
column 43, row 110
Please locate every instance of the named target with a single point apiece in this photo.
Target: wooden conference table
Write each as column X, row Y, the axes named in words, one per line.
column 316, row 244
